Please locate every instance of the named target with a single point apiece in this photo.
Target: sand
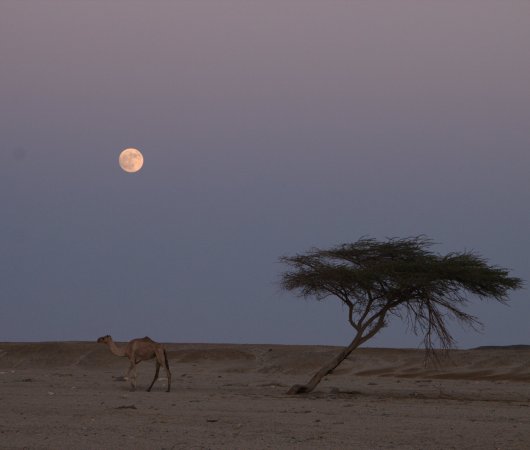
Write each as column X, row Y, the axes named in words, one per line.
column 72, row 395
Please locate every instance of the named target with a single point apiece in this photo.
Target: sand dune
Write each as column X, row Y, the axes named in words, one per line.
column 485, row 363
column 65, row 394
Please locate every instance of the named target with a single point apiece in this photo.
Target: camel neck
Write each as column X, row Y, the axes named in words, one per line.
column 118, row 351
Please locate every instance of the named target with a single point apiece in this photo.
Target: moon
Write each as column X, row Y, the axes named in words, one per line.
column 131, row 160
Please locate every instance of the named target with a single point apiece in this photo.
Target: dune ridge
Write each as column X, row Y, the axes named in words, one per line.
column 510, row 363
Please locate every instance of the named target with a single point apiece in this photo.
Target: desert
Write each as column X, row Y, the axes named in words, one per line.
column 233, row 396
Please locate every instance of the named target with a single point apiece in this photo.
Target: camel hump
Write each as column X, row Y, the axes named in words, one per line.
column 147, row 339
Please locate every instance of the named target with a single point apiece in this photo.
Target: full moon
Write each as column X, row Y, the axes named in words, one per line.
column 131, row 160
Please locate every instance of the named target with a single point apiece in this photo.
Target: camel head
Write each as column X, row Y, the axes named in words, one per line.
column 104, row 339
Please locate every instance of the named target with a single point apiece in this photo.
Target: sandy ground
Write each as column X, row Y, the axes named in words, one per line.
column 72, row 395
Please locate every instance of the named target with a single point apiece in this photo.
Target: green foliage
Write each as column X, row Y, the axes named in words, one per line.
column 400, row 277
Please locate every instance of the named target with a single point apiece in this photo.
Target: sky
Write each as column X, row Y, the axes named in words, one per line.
column 267, row 128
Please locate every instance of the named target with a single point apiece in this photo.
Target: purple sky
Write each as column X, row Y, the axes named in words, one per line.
column 267, row 128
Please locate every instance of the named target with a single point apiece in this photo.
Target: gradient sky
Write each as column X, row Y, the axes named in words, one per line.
column 267, row 127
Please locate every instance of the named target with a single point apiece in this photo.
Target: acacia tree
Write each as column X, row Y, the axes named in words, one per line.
column 399, row 277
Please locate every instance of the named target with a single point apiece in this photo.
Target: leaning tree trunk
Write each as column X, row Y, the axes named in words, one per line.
column 328, row 368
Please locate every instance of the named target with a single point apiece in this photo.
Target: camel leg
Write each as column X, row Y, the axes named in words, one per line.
column 168, row 373
column 156, row 376
column 131, row 374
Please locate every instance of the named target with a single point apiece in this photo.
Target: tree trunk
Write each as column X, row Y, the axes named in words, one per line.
column 328, row 368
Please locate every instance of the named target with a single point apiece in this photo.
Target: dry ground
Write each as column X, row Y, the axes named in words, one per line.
column 72, row 395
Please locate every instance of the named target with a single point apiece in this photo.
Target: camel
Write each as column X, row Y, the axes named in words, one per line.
column 137, row 350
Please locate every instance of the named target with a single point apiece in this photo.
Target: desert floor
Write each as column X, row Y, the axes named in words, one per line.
column 73, row 395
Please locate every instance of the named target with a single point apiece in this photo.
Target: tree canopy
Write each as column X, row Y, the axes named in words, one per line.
column 397, row 277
